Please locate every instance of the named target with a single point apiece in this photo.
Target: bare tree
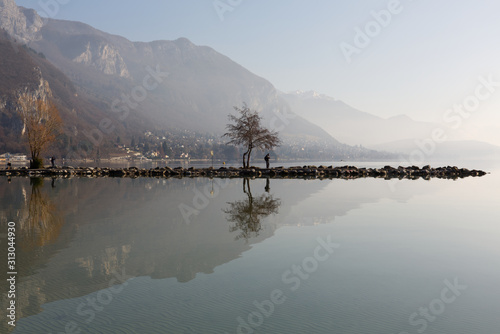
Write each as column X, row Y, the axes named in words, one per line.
column 248, row 131
column 41, row 122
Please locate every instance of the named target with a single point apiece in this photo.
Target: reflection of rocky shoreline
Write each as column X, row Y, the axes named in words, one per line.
column 321, row 172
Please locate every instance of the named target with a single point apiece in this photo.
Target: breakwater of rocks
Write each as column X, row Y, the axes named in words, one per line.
column 305, row 172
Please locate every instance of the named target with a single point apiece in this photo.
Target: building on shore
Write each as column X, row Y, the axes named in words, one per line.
column 13, row 158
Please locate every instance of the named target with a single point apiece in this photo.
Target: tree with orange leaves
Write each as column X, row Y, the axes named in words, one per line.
column 41, row 122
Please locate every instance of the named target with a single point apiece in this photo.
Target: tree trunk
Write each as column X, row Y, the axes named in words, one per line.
column 244, row 154
column 248, row 157
column 36, row 162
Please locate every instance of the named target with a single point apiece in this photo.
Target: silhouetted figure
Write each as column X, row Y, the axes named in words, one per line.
column 53, row 161
column 267, row 157
column 9, row 165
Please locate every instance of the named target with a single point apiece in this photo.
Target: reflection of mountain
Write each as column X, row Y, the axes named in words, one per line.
column 39, row 225
column 247, row 214
column 118, row 225
column 136, row 227
column 338, row 199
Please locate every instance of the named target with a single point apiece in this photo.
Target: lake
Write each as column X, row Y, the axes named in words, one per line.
column 151, row 255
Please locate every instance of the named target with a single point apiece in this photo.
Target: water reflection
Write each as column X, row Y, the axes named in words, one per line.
column 39, row 224
column 41, row 221
column 135, row 227
column 247, row 214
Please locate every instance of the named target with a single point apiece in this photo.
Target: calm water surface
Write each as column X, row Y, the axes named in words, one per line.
column 232, row 256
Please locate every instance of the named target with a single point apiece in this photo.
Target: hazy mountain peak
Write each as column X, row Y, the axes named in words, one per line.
column 169, row 84
column 184, row 42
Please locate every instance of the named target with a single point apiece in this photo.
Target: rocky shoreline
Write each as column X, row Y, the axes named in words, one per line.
column 303, row 172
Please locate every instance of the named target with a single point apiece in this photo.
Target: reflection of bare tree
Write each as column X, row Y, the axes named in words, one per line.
column 42, row 221
column 247, row 214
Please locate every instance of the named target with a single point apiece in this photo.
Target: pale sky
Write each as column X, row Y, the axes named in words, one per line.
column 420, row 61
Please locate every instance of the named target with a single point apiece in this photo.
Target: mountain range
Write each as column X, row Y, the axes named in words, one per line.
column 135, row 87
column 399, row 134
column 109, row 88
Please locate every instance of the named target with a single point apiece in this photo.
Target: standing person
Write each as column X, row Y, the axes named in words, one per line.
column 53, row 160
column 267, row 157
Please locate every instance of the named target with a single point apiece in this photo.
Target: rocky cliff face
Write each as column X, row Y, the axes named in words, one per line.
column 25, row 26
column 24, row 70
column 19, row 73
column 41, row 87
column 105, row 58
column 161, row 85
column 21, row 23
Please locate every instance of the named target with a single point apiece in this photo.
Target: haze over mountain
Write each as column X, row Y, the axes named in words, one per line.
column 123, row 89
column 398, row 134
column 145, row 86
column 23, row 69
